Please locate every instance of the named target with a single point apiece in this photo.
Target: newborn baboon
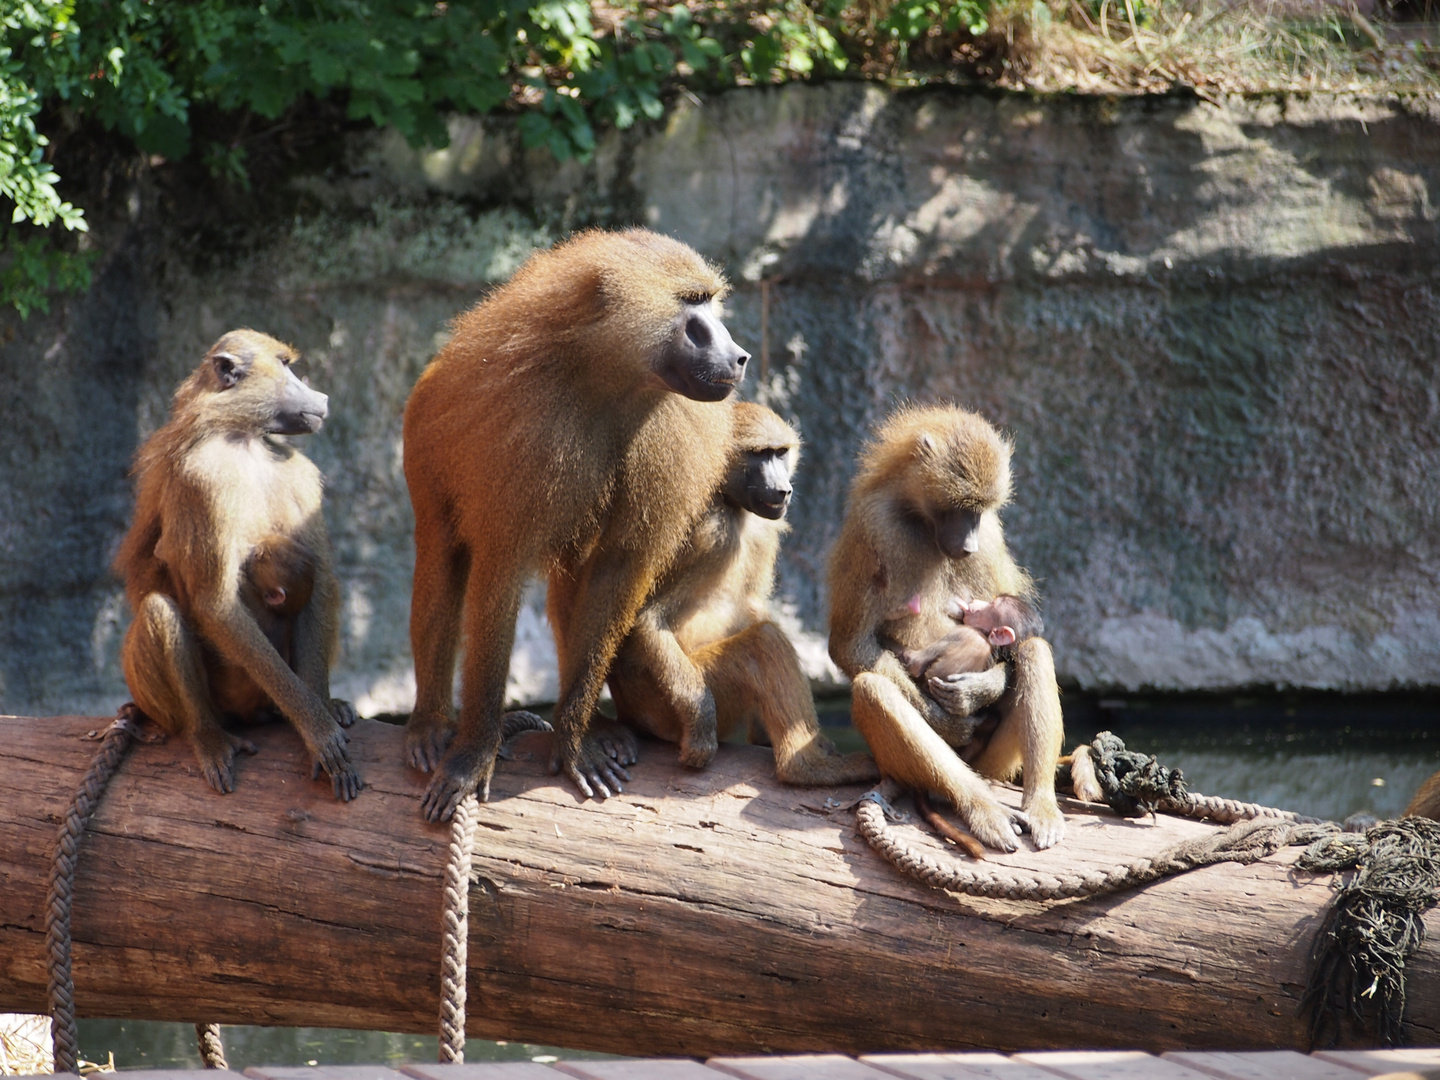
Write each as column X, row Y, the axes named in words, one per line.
column 921, row 523
column 704, row 661
column 987, row 635
column 213, row 485
column 575, row 425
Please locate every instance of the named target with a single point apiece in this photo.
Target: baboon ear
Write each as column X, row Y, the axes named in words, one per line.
column 925, row 447
column 1002, row 636
column 229, row 368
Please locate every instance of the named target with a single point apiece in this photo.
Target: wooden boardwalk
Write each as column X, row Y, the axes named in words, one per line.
column 1050, row 1065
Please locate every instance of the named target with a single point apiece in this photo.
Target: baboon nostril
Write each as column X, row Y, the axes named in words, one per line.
column 742, row 358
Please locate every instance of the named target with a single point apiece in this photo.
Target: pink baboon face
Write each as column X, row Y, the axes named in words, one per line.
column 996, row 619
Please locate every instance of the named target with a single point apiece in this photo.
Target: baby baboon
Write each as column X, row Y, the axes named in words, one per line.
column 213, row 485
column 922, row 523
column 275, row 586
column 987, row 635
column 704, row 661
column 575, row 425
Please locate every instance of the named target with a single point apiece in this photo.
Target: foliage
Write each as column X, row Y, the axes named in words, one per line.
column 147, row 69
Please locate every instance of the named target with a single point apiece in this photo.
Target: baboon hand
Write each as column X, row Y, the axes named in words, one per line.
column 333, row 755
column 343, row 712
column 964, row 694
column 593, row 770
column 617, row 740
column 426, row 738
column 995, row 825
column 460, row 773
column 217, row 761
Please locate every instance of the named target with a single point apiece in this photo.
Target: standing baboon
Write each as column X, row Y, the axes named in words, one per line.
column 921, row 523
column 212, row 485
column 704, row 661
column 575, row 425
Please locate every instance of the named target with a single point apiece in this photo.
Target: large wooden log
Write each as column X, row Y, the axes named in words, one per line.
column 700, row 913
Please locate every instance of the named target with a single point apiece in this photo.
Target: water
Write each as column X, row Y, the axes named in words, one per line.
column 1327, row 755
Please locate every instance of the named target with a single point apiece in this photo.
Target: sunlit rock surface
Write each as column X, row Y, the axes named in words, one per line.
column 1212, row 332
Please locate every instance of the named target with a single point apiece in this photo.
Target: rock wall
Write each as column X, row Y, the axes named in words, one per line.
column 1211, row 330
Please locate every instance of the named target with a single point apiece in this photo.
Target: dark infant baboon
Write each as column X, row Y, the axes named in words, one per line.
column 575, row 425
column 276, row 583
column 922, row 524
column 213, row 485
column 987, row 635
column 704, row 661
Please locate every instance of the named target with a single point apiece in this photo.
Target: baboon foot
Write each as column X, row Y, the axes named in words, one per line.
column 343, row 712
column 995, row 825
column 217, row 758
column 426, row 737
column 697, row 748
column 592, row 769
column 333, row 755
column 456, row 776
column 1047, row 824
column 615, row 739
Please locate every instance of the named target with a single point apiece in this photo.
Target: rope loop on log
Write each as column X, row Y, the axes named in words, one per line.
column 63, row 1032
column 454, row 957
column 212, row 1049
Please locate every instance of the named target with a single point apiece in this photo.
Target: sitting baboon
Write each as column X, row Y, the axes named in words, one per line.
column 212, row 485
column 704, row 661
column 987, row 635
column 576, row 425
column 922, row 523
column 275, row 586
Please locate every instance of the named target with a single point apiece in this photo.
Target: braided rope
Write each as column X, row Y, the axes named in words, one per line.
column 1246, row 841
column 63, row 1032
column 454, row 956
column 1228, row 811
column 212, row 1050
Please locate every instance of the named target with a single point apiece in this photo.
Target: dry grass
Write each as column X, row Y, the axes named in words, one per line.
column 25, row 1048
column 1215, row 47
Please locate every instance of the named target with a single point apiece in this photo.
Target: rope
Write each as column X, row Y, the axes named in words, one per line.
column 1375, row 925
column 455, row 948
column 63, row 1032
column 212, row 1050
column 1244, row 842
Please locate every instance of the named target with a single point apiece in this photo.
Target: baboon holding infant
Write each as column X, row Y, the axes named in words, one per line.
column 216, row 489
column 704, row 661
column 921, row 527
column 575, row 425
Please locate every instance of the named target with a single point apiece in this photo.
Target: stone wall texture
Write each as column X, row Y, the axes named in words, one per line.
column 1211, row 330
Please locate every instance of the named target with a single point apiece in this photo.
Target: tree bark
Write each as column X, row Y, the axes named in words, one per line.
column 699, row 913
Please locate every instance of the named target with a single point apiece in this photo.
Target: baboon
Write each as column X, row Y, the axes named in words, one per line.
column 1426, row 802
column 988, row 634
column 922, row 523
column 704, row 661
column 576, row 425
column 212, row 485
column 276, row 583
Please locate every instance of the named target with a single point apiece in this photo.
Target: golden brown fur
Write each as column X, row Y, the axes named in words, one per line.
column 926, row 470
column 704, row 661
column 213, row 485
column 549, row 437
column 1426, row 802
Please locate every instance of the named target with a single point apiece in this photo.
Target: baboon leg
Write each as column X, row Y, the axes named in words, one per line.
column 757, row 681
column 164, row 668
column 608, row 592
column 908, row 750
column 662, row 690
column 441, row 572
column 1029, row 739
column 492, row 604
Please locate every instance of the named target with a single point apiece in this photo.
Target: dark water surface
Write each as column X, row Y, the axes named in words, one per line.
column 1323, row 754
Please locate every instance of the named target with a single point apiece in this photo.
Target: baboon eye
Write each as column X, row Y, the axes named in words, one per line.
column 696, row 298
